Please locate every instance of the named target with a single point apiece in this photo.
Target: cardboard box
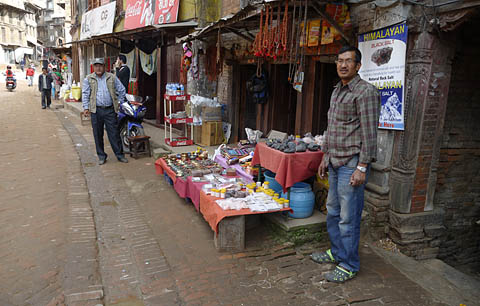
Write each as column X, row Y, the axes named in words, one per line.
column 211, row 114
column 197, row 134
column 277, row 135
column 212, row 133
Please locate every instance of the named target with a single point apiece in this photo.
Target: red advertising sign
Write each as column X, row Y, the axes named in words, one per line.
column 139, row 13
column 166, row 11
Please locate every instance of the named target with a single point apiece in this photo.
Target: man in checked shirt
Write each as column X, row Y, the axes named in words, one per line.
column 350, row 147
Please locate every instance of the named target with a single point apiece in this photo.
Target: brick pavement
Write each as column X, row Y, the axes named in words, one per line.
column 34, row 188
column 266, row 273
column 133, row 268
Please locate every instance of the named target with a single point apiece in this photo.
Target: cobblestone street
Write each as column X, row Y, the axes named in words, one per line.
column 76, row 233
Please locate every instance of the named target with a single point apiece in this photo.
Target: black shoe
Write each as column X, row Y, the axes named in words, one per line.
column 44, row 107
column 102, row 161
column 122, row 160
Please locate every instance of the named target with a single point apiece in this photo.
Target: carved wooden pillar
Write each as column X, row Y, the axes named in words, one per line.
column 415, row 151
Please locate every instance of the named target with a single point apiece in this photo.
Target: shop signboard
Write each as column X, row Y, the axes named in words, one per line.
column 139, row 13
column 98, row 21
column 166, row 11
column 383, row 65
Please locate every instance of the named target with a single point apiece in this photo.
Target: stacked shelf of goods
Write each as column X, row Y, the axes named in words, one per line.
column 178, row 141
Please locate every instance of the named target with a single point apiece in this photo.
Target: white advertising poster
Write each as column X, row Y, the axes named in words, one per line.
column 383, row 65
column 98, row 21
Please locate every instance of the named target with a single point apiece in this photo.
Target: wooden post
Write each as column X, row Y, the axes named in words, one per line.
column 158, row 113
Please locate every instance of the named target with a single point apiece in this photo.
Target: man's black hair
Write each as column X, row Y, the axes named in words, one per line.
column 54, row 69
column 123, row 58
column 347, row 48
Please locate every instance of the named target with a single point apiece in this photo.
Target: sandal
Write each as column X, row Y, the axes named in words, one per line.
column 323, row 257
column 339, row 275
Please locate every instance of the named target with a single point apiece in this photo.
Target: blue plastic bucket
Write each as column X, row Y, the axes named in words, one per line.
column 302, row 200
column 168, row 179
column 273, row 184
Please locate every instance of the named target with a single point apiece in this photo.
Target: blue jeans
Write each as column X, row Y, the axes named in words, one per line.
column 344, row 206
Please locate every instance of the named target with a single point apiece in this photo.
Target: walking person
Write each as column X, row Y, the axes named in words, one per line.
column 22, row 64
column 30, row 73
column 101, row 94
column 350, row 147
column 45, row 87
column 57, row 81
column 123, row 72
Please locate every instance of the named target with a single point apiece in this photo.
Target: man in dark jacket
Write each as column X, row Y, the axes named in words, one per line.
column 123, row 72
column 45, row 87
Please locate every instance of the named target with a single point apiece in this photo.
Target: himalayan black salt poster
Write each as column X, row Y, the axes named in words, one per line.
column 383, row 65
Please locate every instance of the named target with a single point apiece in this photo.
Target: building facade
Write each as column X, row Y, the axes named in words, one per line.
column 423, row 191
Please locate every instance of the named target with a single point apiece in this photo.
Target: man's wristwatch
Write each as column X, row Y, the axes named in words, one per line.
column 362, row 169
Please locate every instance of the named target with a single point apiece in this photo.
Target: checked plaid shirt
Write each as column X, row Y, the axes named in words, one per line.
column 352, row 123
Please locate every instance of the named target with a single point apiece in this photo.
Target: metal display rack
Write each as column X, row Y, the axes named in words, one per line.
column 179, row 141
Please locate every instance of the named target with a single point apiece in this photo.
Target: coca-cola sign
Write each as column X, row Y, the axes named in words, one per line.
column 166, row 11
column 141, row 13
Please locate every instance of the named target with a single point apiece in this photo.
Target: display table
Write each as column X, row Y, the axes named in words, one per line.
column 185, row 188
column 213, row 213
column 290, row 168
column 240, row 171
column 161, row 167
column 228, row 225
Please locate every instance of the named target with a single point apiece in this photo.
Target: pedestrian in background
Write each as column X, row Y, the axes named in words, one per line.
column 30, row 73
column 123, row 72
column 101, row 94
column 350, row 147
column 45, row 87
column 22, row 64
column 57, row 80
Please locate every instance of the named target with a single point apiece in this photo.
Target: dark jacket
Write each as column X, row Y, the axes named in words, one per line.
column 49, row 81
column 123, row 74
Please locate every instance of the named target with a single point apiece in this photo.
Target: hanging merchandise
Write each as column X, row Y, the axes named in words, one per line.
column 213, row 66
column 186, row 61
column 339, row 13
column 131, row 63
column 271, row 40
column 194, row 71
column 313, row 32
column 148, row 61
column 300, row 62
column 257, row 87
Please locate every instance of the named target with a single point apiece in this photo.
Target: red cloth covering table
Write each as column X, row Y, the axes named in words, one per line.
column 204, row 203
column 185, row 188
column 213, row 213
column 290, row 168
column 161, row 167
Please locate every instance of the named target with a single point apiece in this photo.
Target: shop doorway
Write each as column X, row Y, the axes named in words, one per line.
column 247, row 108
column 280, row 111
column 148, row 88
column 325, row 79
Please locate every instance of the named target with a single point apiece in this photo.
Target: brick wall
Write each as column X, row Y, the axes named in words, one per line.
column 458, row 183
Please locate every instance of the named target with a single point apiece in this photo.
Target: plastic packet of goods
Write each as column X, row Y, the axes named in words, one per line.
column 253, row 135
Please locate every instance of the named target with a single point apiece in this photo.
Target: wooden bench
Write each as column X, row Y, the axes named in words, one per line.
column 139, row 145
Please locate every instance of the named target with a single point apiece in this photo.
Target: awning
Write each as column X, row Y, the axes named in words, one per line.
column 248, row 19
column 148, row 29
column 20, row 53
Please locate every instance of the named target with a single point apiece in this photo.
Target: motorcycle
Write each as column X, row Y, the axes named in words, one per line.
column 130, row 118
column 10, row 82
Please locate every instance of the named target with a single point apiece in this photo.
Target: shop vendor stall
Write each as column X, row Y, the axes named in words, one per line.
column 223, row 200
